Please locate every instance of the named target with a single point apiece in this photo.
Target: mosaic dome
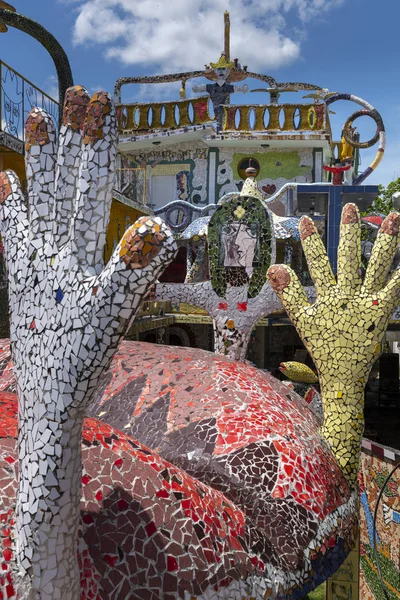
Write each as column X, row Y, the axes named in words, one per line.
column 253, row 500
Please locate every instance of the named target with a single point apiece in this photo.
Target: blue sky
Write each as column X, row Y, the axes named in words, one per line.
column 343, row 45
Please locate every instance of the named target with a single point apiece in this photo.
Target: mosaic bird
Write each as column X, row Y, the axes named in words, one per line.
column 298, row 372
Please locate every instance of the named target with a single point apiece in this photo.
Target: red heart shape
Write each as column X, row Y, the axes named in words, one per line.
column 269, row 189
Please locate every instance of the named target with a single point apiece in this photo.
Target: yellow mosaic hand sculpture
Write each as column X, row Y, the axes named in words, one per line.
column 343, row 329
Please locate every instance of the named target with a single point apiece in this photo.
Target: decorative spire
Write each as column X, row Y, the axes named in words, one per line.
column 250, row 186
column 227, row 34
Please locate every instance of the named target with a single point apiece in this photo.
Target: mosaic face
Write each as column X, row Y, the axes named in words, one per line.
column 222, row 74
column 239, row 237
column 238, row 244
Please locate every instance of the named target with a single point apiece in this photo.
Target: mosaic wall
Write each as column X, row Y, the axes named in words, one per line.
column 160, row 162
column 276, row 168
column 121, row 218
column 376, row 464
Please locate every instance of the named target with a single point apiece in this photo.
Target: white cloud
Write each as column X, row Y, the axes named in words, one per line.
column 179, row 35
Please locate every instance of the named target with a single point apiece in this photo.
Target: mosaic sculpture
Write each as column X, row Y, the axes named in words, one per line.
column 240, row 247
column 240, row 250
column 305, row 383
column 344, row 328
column 351, row 141
column 221, row 90
column 67, row 314
column 292, row 484
column 197, row 250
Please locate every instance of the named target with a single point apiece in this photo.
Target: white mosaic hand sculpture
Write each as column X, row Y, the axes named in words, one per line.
column 67, row 315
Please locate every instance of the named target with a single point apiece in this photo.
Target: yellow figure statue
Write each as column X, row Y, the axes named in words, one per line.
column 347, row 150
column 343, row 329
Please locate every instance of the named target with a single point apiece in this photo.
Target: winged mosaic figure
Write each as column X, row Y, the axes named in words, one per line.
column 241, row 246
column 67, row 314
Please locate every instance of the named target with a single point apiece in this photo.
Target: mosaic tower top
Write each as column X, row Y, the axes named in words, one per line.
column 214, row 118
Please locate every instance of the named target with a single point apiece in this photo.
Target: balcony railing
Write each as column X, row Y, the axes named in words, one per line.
column 295, row 118
column 131, row 183
column 17, row 98
column 163, row 115
column 275, row 117
column 156, row 308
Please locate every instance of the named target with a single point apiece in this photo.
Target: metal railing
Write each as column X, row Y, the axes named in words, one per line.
column 156, row 308
column 276, row 117
column 131, row 182
column 163, row 115
column 18, row 96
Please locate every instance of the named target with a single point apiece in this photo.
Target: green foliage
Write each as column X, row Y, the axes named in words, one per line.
column 383, row 202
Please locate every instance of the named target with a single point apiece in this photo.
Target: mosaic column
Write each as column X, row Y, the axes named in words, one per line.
column 67, row 315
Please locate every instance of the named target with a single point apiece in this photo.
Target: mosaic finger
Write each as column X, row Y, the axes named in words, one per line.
column 317, row 259
column 349, row 274
column 143, row 253
column 40, row 146
column 382, row 254
column 288, row 288
column 68, row 159
column 390, row 295
column 96, row 176
column 14, row 226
